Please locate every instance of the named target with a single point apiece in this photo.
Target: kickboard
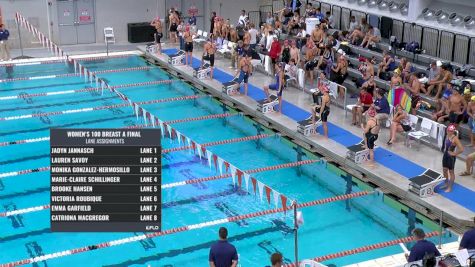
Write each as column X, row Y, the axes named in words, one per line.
column 264, row 101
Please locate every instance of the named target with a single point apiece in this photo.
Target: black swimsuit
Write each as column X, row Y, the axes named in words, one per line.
column 370, row 137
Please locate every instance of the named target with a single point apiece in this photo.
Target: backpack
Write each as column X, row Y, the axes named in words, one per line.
column 412, row 47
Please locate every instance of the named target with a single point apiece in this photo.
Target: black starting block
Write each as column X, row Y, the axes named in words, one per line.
column 423, row 185
column 232, row 87
column 306, row 128
column 202, row 72
column 177, row 59
column 358, row 153
column 265, row 106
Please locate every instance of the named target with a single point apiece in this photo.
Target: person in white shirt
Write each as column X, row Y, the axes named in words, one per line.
column 353, row 24
column 372, row 37
column 253, row 33
column 243, row 18
column 270, row 19
column 270, row 39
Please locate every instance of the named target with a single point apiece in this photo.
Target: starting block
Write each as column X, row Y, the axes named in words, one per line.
column 265, row 107
column 232, row 87
column 177, row 59
column 202, row 72
column 305, row 127
column 423, row 185
column 151, row 48
column 358, row 153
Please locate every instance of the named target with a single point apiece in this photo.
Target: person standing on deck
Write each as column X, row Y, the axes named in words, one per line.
column 222, row 253
column 4, row 34
column 157, row 23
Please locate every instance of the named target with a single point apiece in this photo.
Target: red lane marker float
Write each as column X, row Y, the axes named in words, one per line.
column 215, row 143
column 365, row 248
column 54, row 61
column 70, row 111
column 172, row 231
column 42, row 139
column 73, row 74
column 82, row 90
column 227, row 175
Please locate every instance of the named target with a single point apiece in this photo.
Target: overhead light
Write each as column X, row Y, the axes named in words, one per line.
column 455, row 19
column 372, row 3
column 362, row 2
column 428, row 13
column 403, row 8
column 382, row 4
column 469, row 22
column 393, row 6
column 441, row 16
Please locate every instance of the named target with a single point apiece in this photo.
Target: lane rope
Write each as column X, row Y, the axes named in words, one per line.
column 175, row 230
column 73, row 74
column 61, row 60
column 80, row 110
column 215, row 143
column 82, row 90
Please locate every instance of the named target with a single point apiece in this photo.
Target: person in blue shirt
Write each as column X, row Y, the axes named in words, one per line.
column 4, row 52
column 222, row 253
column 468, row 239
column 319, row 15
column 422, row 247
column 381, row 105
column 192, row 20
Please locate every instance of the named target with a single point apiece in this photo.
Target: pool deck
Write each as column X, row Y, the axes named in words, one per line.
column 389, row 180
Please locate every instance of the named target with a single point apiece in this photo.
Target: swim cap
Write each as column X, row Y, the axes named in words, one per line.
column 466, row 91
column 473, row 98
column 398, row 71
column 451, row 128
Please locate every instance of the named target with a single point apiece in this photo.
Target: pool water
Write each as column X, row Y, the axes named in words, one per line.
column 327, row 229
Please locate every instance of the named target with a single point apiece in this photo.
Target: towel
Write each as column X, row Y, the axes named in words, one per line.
column 333, row 89
column 440, row 136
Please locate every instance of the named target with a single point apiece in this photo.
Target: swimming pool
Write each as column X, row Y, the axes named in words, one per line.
column 328, row 228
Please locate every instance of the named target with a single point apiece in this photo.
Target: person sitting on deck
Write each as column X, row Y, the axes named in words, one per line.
column 388, row 64
column 372, row 37
column 422, row 247
column 364, row 103
column 444, row 78
column 381, row 105
column 399, row 124
column 468, row 239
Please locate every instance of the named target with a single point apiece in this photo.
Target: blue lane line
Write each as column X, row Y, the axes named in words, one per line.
column 460, row 194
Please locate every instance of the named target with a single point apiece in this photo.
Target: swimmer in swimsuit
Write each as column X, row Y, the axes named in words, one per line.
column 174, row 21
column 371, row 132
column 323, row 109
column 453, row 148
column 208, row 54
column 245, row 71
column 157, row 24
column 278, row 85
column 188, row 46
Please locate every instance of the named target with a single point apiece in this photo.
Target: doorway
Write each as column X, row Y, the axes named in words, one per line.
column 76, row 22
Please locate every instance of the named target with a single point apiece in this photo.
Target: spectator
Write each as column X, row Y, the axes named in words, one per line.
column 242, row 18
column 269, row 40
column 364, row 25
column 4, row 51
column 356, row 36
column 396, row 80
column 233, row 34
column 270, row 19
column 433, row 71
column 311, row 59
column 414, row 87
column 388, row 64
column 330, row 19
column 318, row 14
column 364, row 103
column 444, row 78
column 213, row 18
column 181, row 30
column 468, row 239
column 291, row 70
column 369, row 85
column 457, row 107
column 471, row 125
column 295, row 53
column 192, row 20
column 422, row 247
column 222, row 253
column 274, row 52
column 399, row 124
column 372, row 37
column 225, row 29
column 293, row 24
column 353, row 24
column 285, row 52
column 253, row 33
column 367, row 70
column 381, row 105
column 309, row 11
column 406, row 68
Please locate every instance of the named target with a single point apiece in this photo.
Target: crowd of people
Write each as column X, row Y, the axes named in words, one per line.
column 224, row 254
column 324, row 51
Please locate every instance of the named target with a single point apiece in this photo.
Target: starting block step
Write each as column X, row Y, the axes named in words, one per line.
column 202, row 72
column 151, row 48
column 265, row 106
column 358, row 153
column 424, row 185
column 177, row 59
column 231, row 87
column 306, row 128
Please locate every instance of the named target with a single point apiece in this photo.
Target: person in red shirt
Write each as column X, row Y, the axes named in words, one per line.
column 274, row 51
column 364, row 103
